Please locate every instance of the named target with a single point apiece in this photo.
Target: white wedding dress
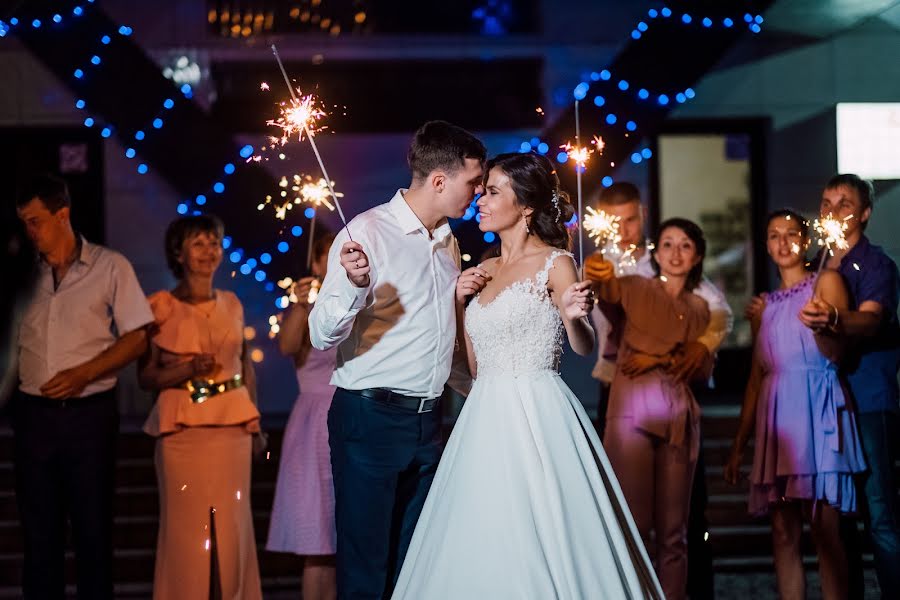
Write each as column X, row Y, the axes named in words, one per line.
column 524, row 503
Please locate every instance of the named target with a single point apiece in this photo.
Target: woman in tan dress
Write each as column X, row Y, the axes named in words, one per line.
column 653, row 421
column 205, row 419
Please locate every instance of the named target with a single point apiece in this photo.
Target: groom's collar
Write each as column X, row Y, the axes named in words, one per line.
column 408, row 220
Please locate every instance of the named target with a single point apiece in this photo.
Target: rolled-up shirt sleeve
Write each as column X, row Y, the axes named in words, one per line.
column 721, row 319
column 339, row 301
column 130, row 308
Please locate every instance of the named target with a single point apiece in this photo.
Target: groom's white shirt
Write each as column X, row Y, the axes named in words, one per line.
column 399, row 332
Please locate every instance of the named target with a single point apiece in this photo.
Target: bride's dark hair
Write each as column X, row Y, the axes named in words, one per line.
column 536, row 186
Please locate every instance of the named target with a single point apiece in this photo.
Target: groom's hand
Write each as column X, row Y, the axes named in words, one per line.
column 470, row 282
column 356, row 263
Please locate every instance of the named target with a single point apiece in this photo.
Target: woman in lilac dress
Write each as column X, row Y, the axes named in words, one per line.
column 303, row 511
column 806, row 448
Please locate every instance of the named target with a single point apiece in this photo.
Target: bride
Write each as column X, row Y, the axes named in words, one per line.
column 524, row 503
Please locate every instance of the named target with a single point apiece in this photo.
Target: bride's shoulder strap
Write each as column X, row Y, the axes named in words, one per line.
column 544, row 273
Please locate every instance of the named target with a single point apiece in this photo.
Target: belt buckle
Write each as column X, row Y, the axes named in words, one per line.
column 422, row 402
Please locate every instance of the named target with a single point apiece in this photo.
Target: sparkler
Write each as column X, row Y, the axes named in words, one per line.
column 300, row 118
column 831, row 235
column 581, row 155
column 603, row 228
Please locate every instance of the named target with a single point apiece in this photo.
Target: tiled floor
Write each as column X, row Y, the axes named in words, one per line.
column 761, row 586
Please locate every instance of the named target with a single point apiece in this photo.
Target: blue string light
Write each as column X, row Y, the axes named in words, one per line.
column 226, row 242
column 296, row 231
column 219, row 187
column 157, row 123
column 200, row 200
column 142, row 169
column 182, row 210
column 265, row 258
column 105, row 132
column 309, row 213
column 489, row 237
column 77, row 11
column 95, row 60
column 78, row 73
column 599, row 100
column 229, row 169
column 57, row 18
column 169, row 103
column 89, row 122
column 130, row 152
column 36, row 23
column 139, row 135
column 606, row 181
column 79, row 104
column 105, row 40
column 283, row 247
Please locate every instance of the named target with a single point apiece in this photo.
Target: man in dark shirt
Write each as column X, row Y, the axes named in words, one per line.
column 871, row 366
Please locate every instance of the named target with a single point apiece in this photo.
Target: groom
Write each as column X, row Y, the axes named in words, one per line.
column 388, row 303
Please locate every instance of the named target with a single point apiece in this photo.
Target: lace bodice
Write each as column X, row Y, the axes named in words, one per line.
column 520, row 330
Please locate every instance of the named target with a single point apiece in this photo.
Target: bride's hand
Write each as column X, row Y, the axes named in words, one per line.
column 470, row 282
column 577, row 301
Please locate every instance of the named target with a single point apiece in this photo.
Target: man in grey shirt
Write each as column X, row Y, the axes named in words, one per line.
column 85, row 320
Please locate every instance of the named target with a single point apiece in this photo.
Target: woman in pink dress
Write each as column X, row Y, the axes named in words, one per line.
column 303, row 511
column 806, row 449
column 205, row 420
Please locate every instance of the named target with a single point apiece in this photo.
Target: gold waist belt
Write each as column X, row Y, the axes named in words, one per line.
column 203, row 389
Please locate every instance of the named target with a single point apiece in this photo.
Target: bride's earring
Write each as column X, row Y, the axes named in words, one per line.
column 527, row 230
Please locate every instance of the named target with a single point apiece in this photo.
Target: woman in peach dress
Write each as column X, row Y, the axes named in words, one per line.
column 205, row 419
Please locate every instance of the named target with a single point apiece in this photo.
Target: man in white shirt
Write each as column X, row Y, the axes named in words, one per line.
column 388, row 303
column 632, row 257
column 85, row 320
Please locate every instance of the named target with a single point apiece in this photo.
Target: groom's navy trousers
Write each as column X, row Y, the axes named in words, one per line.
column 383, row 459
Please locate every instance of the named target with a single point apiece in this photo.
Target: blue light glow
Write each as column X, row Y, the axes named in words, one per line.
column 630, row 125
column 105, row 40
column 470, row 212
column 727, row 22
column 680, row 98
column 666, row 11
column 265, row 258
column 142, row 169
column 57, row 19
column 229, row 169
column 246, row 151
column 606, row 181
column 235, row 256
column 296, row 231
column 282, row 302
column 636, row 157
column 755, row 28
column 129, row 153
column 157, row 123
column 748, row 17
column 646, row 153
column 758, row 19
column 36, row 23
column 79, row 104
column 707, row 22
column 642, row 26
column 270, row 287
column 251, row 262
column 200, row 200
column 105, row 132
column 581, row 91
column 690, row 92
column 562, row 157
column 260, row 276
column 535, row 141
column 125, row 30
column 605, row 75
column 524, row 147
column 611, row 119
column 599, row 100
column 169, row 103
column 245, row 269
column 283, row 247
column 489, row 237
column 653, row 13
column 543, row 148
column 182, row 209
column 78, row 73
column 77, row 11
column 95, row 60
column 663, row 99
column 226, row 242
column 643, row 94
column 138, row 135
column 636, row 35
column 218, row 187
column 685, row 18
column 186, row 90
column 14, row 21
column 89, row 122
column 309, row 212
column 623, row 85
column 595, row 76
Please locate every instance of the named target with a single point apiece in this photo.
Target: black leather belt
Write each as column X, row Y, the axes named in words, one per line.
column 420, row 405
